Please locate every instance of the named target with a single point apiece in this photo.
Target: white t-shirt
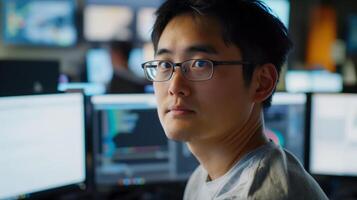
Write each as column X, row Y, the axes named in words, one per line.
column 268, row 172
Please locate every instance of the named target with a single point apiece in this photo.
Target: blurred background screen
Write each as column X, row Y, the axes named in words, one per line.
column 39, row 22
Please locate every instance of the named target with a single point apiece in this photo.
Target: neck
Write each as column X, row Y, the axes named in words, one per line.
column 218, row 157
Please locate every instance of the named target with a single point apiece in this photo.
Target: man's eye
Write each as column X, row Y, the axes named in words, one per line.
column 201, row 64
column 164, row 65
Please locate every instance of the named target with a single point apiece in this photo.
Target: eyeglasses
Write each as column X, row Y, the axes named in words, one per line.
column 193, row 70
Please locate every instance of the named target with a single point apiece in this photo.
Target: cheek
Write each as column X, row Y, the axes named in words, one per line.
column 160, row 93
column 226, row 89
column 226, row 103
column 226, row 100
column 226, row 113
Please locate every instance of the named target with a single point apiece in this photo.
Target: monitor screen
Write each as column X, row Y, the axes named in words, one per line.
column 313, row 81
column 42, row 143
column 281, row 9
column 39, row 22
column 131, row 147
column 145, row 22
column 333, row 134
column 106, row 22
column 99, row 66
column 124, row 20
column 285, row 122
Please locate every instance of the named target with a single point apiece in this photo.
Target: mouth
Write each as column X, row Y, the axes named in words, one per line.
column 179, row 110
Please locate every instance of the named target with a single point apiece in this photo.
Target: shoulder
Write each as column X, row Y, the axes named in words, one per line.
column 279, row 175
column 301, row 182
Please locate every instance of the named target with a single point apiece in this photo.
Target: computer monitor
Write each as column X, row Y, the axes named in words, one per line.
column 42, row 144
column 99, row 66
column 285, row 122
column 23, row 77
column 313, row 81
column 38, row 22
column 130, row 146
column 145, row 22
column 333, row 134
column 124, row 20
column 108, row 22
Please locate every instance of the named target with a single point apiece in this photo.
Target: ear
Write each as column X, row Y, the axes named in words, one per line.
column 265, row 78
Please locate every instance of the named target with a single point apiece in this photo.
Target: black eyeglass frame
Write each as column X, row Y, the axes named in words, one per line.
column 215, row 63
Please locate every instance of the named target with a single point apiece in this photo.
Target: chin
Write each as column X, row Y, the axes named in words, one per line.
column 177, row 136
column 177, row 130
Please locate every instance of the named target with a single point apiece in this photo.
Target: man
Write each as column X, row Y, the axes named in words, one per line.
column 123, row 79
column 216, row 66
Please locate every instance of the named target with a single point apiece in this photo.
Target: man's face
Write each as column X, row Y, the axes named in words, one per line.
column 205, row 110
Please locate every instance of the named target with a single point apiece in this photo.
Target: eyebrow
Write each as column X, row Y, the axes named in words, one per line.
column 200, row 48
column 163, row 51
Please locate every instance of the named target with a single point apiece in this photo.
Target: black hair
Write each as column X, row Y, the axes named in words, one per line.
column 248, row 24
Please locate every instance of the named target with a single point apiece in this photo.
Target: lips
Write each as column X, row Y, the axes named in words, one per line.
column 179, row 110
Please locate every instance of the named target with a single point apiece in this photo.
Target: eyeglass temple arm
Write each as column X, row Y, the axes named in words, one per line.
column 232, row 63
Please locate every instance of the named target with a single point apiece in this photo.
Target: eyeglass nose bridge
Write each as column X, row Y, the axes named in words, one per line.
column 181, row 66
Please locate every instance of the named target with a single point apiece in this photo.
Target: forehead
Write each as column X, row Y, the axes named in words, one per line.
column 188, row 30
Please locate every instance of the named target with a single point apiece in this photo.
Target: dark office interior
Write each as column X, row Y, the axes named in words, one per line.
column 70, row 129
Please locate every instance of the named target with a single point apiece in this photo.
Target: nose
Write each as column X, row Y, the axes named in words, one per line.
column 178, row 85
